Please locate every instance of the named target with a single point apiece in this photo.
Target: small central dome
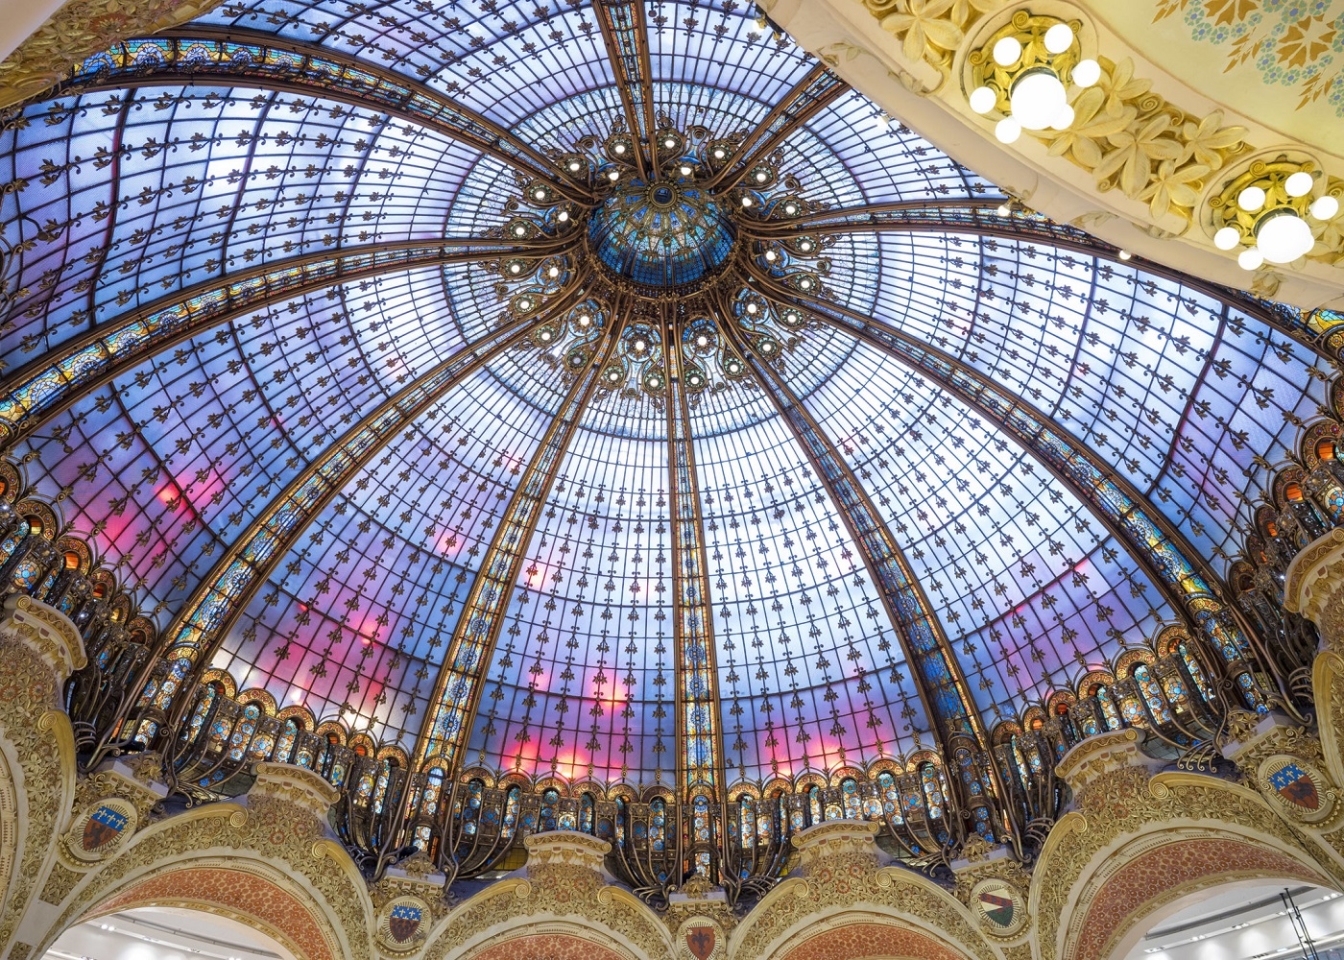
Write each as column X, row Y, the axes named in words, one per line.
column 662, row 234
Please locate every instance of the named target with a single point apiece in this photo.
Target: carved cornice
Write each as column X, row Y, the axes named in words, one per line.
column 47, row 631
column 913, row 57
column 80, row 29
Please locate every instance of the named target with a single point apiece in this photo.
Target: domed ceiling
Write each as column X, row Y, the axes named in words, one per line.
column 605, row 390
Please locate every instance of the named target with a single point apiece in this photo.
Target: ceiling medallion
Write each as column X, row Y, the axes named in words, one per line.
column 667, row 248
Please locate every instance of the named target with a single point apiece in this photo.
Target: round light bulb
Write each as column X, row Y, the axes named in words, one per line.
column 520, row 231
column 613, row 175
column 640, row 346
column 806, row 283
column 805, row 246
column 1059, row 38
column 1227, row 238
column 746, row 201
column 1125, row 254
column 1325, row 208
column 762, row 176
column 753, row 309
column 669, row 143
column 515, row 268
column 685, row 170
column 771, row 256
column 1007, row 130
column 983, row 99
column 1064, row 119
column 539, row 194
column 1250, row 259
column 553, row 272
column 1007, row 51
column 620, row 148
column 1251, row 199
column 524, row 304
column 1003, row 210
column 767, row 347
column 574, row 166
column 545, row 336
column 790, row 208
column 694, row 379
column 1086, row 73
column 1299, row 184
column 564, row 216
column 1283, row 236
column 1037, row 98
column 702, row 341
column 584, row 320
column 719, row 153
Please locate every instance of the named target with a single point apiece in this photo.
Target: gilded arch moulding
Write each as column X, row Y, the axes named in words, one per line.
column 37, row 755
column 274, row 837
column 1154, row 872
column 842, row 880
column 1126, row 808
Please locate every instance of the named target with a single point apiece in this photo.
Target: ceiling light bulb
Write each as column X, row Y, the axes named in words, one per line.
column 805, row 283
column 620, row 148
column 1037, row 98
column 1007, row 130
column 584, row 319
column 1059, row 38
column 983, row 99
column 1086, row 73
column 702, row 341
column 1227, row 238
column 767, row 347
column 1251, row 199
column 669, row 143
column 545, row 336
column 613, row 175
column 753, row 309
column 746, row 201
column 1125, row 254
column 1299, row 184
column 1325, row 208
column 762, row 176
column 1283, row 236
column 719, row 153
column 553, row 272
column 574, row 166
column 515, row 268
column 524, row 304
column 539, row 193
column 805, row 246
column 790, row 208
column 685, row 169
column 1250, row 259
column 1007, row 51
column 771, row 256
column 1064, row 119
column 1003, row 210
column 564, row 216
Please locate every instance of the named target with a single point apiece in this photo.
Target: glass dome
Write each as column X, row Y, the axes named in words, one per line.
column 793, row 445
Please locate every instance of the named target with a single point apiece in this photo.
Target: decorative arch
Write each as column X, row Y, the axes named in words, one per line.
column 868, row 937
column 252, row 894
column 1149, row 876
column 554, row 941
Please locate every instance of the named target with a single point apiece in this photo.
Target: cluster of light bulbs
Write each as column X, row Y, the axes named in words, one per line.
column 1037, row 97
column 1281, row 236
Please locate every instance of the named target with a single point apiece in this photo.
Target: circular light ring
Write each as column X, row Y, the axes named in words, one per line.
column 653, row 380
column 545, row 335
column 621, row 148
column 792, row 318
column 525, row 303
column 540, row 194
column 576, row 359
column 806, row 282
column 515, row 269
column 613, row 375
column 734, row 368
column 520, row 229
column 767, row 346
column 574, row 164
column 807, row 245
column 719, row 152
column 695, row 379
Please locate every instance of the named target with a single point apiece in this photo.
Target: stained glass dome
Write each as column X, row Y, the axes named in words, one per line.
column 604, row 392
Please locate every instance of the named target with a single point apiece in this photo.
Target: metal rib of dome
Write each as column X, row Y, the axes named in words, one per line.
column 577, row 391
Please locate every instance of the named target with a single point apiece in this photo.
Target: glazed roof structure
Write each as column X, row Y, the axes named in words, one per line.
column 264, row 343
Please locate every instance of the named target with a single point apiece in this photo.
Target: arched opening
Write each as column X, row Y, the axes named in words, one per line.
column 159, row 933
column 1242, row 919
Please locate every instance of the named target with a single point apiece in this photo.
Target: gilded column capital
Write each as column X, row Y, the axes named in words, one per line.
column 45, row 630
column 848, row 839
column 1095, row 757
column 1314, row 586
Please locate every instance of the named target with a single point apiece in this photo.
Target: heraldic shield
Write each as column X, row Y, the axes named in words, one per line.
column 103, row 826
column 404, row 921
column 700, row 941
